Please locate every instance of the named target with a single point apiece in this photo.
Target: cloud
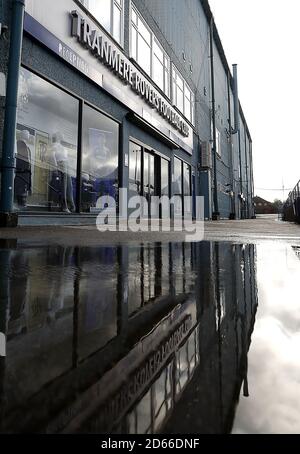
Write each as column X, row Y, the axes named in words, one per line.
column 274, row 357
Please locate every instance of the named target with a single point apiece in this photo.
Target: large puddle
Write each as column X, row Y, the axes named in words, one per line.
column 172, row 338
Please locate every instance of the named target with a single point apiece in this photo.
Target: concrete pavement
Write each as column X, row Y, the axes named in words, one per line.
column 246, row 231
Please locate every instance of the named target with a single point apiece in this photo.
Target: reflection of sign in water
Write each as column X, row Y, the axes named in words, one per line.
column 137, row 382
column 110, row 407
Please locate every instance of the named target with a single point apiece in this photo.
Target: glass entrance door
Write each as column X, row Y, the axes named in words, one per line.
column 149, row 184
column 149, row 177
column 187, row 204
column 135, row 174
column 182, row 189
column 164, row 187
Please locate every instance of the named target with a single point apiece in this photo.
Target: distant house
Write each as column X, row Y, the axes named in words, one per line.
column 262, row 206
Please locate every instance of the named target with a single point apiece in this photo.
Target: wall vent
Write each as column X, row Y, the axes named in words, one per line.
column 206, row 161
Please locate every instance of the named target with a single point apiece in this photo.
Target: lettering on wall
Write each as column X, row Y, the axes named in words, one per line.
column 99, row 45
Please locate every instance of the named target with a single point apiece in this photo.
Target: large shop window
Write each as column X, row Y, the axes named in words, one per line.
column 149, row 54
column 183, row 97
column 46, row 146
column 99, row 158
column 108, row 13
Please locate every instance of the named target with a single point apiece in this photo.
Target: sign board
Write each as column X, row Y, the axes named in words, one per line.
column 78, row 40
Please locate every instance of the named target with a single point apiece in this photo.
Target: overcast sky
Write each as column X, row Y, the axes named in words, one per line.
column 263, row 38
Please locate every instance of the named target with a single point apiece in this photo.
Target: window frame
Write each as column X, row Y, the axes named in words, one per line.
column 166, row 65
column 113, row 4
column 186, row 88
column 218, row 132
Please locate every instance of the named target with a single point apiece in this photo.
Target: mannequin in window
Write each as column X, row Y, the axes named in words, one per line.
column 23, row 169
column 66, row 187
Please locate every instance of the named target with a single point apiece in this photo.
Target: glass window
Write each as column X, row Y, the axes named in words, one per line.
column 158, row 72
column 177, row 187
column 218, row 142
column 140, row 419
column 133, row 17
column 164, row 187
column 148, row 289
column 183, row 97
column 97, row 312
column 99, row 158
column 134, row 43
column 182, row 368
column 108, row 13
column 147, row 51
column 143, row 31
column 46, row 146
column 177, row 176
column 186, row 179
column 187, row 189
column 135, row 166
column 161, row 68
column 162, row 390
column 145, row 281
column 164, row 177
column 180, row 100
column 181, row 187
column 41, row 300
column 143, row 54
column 117, row 23
column 135, row 280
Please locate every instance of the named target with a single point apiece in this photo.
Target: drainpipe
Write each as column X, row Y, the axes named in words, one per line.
column 236, row 101
column 237, row 125
column 232, row 195
column 253, row 215
column 216, row 213
column 247, row 176
column 7, row 216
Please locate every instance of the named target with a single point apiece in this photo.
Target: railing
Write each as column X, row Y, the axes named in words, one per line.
column 291, row 209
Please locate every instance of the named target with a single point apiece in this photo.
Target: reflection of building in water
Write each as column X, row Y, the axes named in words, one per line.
column 228, row 303
column 127, row 339
column 150, row 413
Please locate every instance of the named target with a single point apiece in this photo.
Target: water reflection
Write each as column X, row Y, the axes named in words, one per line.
column 125, row 339
column 274, row 359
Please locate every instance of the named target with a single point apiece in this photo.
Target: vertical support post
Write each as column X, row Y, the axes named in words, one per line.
column 216, row 214
column 232, row 195
column 7, row 216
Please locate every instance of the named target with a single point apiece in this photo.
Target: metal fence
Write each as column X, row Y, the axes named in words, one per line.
column 291, row 209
